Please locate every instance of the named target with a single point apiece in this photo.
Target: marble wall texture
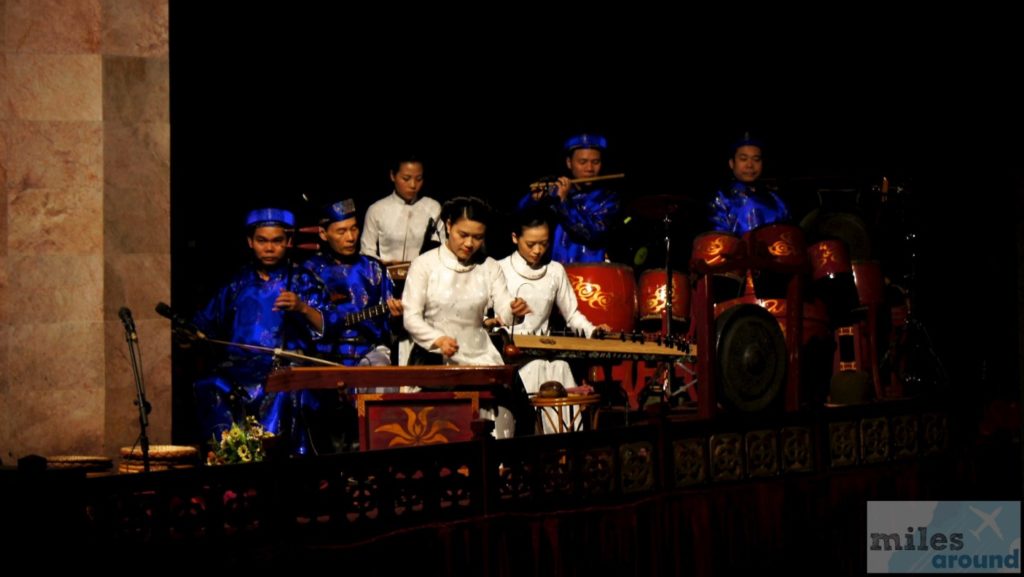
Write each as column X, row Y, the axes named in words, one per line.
column 84, row 222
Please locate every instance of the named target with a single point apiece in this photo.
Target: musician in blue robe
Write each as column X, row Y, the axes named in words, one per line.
column 745, row 203
column 583, row 213
column 360, row 293
column 271, row 302
column 357, row 318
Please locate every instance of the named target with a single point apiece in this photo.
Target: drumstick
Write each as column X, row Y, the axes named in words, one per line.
column 512, row 329
column 511, row 350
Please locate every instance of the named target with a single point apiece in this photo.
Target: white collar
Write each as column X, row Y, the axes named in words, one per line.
column 524, row 269
column 449, row 260
column 402, row 200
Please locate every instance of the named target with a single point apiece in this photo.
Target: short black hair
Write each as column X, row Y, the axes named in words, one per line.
column 407, row 158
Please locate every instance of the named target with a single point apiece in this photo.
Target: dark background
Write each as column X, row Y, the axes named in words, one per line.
column 268, row 107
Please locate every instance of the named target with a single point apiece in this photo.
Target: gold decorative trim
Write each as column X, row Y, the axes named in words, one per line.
column 599, row 471
column 361, row 401
column 935, row 433
column 726, row 457
column 796, row 450
column 419, row 429
column 874, row 440
column 474, row 398
column 904, row 436
column 784, row 246
column 690, row 461
column 637, row 467
column 591, row 293
column 842, row 437
column 762, row 453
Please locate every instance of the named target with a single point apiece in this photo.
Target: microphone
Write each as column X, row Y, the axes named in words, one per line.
column 164, row 310
column 129, row 324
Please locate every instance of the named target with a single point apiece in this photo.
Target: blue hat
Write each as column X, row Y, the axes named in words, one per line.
column 341, row 210
column 745, row 140
column 270, row 217
column 585, row 141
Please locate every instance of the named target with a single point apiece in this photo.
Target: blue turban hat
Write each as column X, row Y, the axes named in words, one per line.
column 339, row 211
column 585, row 141
column 745, row 140
column 270, row 217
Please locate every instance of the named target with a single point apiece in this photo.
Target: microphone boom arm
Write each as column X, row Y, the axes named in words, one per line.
column 278, row 351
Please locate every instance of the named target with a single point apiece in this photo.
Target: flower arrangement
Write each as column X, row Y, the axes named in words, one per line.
column 239, row 444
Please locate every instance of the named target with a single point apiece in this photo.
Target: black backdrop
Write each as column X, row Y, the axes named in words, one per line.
column 273, row 108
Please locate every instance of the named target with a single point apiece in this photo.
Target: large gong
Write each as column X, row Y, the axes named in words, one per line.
column 844, row 226
column 751, row 358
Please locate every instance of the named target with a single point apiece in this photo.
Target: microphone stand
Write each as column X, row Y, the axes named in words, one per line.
column 135, row 354
column 277, row 352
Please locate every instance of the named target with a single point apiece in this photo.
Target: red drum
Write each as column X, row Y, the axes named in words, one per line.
column 833, row 278
column 717, row 248
column 828, row 259
column 782, row 244
column 653, row 293
column 606, row 293
column 867, row 275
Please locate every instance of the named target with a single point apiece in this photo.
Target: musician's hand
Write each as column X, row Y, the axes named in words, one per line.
column 519, row 307
column 289, row 301
column 603, row 328
column 378, row 357
column 580, row 390
column 490, row 323
column 395, row 306
column 447, row 345
column 543, row 188
column 564, row 186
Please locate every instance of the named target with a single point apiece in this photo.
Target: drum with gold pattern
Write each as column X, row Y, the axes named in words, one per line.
column 653, row 298
column 606, row 293
column 782, row 244
column 718, row 248
column 832, row 278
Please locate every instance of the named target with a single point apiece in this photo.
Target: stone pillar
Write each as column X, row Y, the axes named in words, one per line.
column 84, row 221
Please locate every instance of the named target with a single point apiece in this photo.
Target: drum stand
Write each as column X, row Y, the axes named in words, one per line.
column 666, row 322
column 911, row 348
column 659, row 388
